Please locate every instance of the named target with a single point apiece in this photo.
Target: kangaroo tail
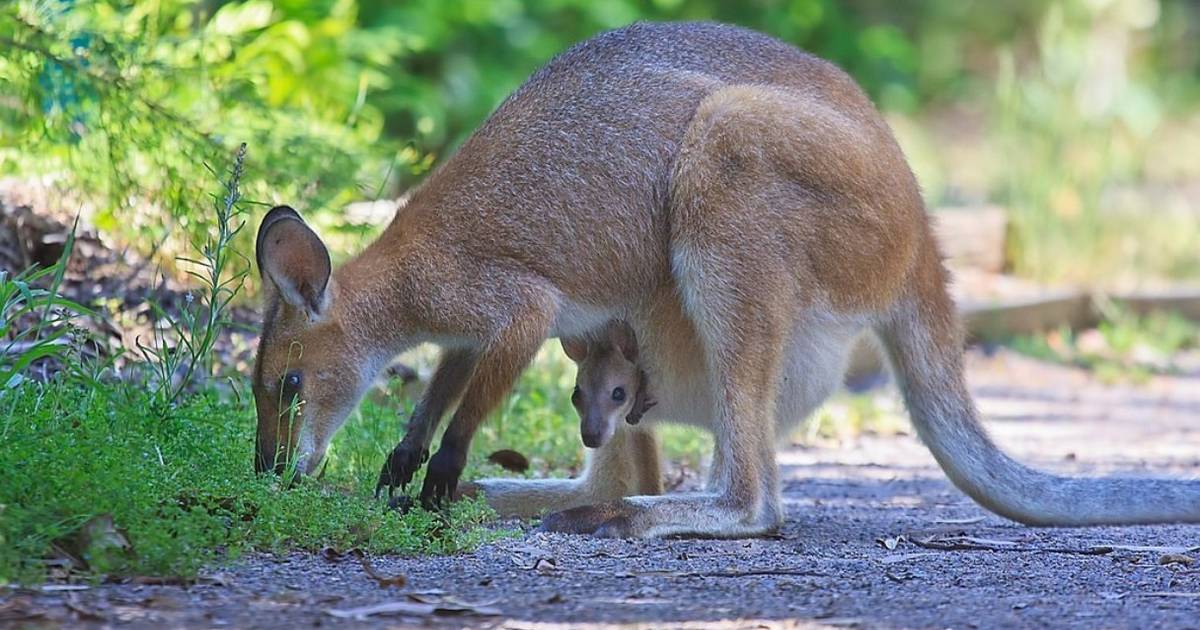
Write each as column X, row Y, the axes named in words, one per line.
column 923, row 338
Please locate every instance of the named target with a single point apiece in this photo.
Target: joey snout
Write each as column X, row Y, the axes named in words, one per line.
column 596, row 428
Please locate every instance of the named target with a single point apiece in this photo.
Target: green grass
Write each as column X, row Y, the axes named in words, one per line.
column 1125, row 346
column 182, row 489
column 845, row 416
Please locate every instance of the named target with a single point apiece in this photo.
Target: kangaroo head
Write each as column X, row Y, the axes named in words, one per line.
column 608, row 384
column 308, row 375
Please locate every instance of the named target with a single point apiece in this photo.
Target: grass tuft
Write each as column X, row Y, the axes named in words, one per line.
column 183, row 494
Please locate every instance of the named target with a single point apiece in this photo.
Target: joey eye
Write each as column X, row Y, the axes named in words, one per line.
column 619, row 394
column 576, row 396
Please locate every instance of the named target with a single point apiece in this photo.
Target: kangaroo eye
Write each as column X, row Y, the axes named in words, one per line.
column 292, row 379
column 576, row 396
column 619, row 394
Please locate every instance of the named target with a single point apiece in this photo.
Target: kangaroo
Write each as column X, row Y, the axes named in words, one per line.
column 756, row 184
column 610, row 386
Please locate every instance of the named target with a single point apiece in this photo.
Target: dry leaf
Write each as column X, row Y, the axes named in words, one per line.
column 83, row 611
column 528, row 557
column 972, row 543
column 545, row 565
column 388, row 608
column 20, row 608
column 960, row 521
column 164, row 601
column 1155, row 548
column 413, row 609
column 384, row 581
column 509, row 460
column 100, row 532
column 97, row 543
column 1180, row 594
column 890, row 542
column 901, row 557
column 1176, row 558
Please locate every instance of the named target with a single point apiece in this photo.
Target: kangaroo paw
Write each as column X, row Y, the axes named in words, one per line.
column 441, row 478
column 607, row 520
column 404, row 461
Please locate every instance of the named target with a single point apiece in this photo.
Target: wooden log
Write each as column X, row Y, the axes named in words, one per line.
column 1185, row 301
column 1005, row 318
column 1026, row 316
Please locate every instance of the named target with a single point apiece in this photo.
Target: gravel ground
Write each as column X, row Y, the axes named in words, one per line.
column 858, row 549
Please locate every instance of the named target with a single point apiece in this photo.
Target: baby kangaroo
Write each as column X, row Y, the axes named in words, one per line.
column 739, row 203
column 610, row 386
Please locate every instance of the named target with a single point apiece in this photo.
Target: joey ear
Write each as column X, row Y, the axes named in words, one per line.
column 575, row 347
column 621, row 335
column 292, row 257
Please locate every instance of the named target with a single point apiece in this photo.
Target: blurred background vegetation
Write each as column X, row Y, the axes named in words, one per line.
column 1078, row 116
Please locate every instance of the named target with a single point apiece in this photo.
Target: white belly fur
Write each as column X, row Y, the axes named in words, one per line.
column 815, row 364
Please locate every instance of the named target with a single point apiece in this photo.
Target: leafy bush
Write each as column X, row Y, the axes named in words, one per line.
column 125, row 103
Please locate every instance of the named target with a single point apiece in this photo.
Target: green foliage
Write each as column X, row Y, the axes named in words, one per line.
column 1125, row 346
column 1073, row 127
column 458, row 60
column 183, row 494
column 202, row 320
column 849, row 415
column 47, row 336
column 126, row 102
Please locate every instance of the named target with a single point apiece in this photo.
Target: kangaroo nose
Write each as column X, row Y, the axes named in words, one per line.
column 593, row 431
column 265, row 459
column 592, row 439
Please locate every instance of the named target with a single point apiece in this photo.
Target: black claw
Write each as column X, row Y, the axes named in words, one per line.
column 402, row 504
column 441, row 477
column 401, row 465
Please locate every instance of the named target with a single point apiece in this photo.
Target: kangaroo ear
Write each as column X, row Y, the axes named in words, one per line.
column 621, row 335
column 575, row 347
column 293, row 259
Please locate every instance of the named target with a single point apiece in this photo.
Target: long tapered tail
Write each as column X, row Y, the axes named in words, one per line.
column 924, row 342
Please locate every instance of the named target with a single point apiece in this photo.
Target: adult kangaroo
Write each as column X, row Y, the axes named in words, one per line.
column 754, row 185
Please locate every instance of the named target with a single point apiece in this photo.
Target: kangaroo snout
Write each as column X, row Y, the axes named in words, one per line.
column 595, row 430
column 269, row 458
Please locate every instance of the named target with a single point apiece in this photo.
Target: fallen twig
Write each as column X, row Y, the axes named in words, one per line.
column 384, row 581
column 716, row 574
column 970, row 543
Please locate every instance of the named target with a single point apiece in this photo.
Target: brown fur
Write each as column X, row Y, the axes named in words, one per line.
column 739, row 203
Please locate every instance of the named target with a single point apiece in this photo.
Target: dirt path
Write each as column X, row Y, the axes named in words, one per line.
column 831, row 565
